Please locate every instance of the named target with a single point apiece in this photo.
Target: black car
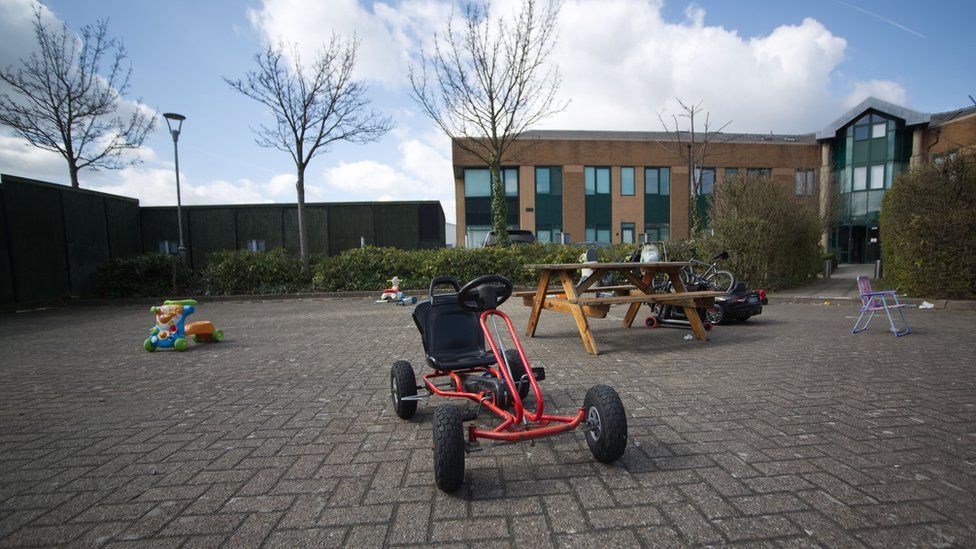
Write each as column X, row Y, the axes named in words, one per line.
column 514, row 237
column 739, row 304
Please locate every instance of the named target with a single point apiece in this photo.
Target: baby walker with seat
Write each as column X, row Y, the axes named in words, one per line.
column 454, row 328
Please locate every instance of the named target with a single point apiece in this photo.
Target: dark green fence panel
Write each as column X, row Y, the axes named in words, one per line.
column 396, row 225
column 211, row 229
column 124, row 232
column 260, row 223
column 6, row 274
column 37, row 247
column 347, row 223
column 86, row 237
column 158, row 224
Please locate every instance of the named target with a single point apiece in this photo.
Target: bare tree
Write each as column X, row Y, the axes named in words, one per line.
column 62, row 101
column 313, row 106
column 692, row 147
column 486, row 84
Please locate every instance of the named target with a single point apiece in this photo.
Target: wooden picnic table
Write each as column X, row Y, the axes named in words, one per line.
column 571, row 297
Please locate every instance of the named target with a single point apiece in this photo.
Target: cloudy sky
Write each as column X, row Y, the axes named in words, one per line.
column 766, row 65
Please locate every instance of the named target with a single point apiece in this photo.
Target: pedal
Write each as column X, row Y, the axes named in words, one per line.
column 469, row 415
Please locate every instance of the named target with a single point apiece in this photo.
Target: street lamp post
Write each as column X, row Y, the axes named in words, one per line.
column 173, row 119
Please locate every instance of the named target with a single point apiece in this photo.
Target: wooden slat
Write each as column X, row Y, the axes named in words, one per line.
column 647, row 298
column 559, row 290
column 539, row 299
column 563, row 306
column 584, row 327
column 611, row 266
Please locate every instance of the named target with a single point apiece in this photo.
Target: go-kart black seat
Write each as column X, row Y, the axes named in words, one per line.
column 452, row 337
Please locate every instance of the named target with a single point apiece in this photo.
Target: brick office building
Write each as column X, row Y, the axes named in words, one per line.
column 614, row 186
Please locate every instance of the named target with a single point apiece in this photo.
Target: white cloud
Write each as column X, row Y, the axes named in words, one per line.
column 882, row 89
column 422, row 172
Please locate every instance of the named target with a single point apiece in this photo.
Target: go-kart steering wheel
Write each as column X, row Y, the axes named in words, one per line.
column 484, row 292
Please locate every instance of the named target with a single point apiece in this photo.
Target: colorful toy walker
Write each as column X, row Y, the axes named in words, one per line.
column 171, row 330
column 454, row 329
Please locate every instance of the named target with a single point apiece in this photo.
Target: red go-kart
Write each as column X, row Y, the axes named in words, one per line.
column 454, row 328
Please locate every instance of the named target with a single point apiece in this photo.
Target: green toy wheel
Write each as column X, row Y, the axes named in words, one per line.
column 180, row 344
column 148, row 345
column 218, row 335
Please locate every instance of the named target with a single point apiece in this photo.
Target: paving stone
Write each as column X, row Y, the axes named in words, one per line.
column 785, row 431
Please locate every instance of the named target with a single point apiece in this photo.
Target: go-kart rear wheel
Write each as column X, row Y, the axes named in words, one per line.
column 651, row 322
column 607, row 423
column 448, row 448
column 403, row 383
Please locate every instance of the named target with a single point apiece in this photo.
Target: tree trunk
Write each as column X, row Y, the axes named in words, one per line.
column 302, row 231
column 73, row 172
column 499, row 207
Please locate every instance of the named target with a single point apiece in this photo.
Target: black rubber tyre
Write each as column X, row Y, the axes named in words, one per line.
column 518, row 370
column 448, row 448
column 403, row 383
column 715, row 314
column 607, row 437
column 651, row 322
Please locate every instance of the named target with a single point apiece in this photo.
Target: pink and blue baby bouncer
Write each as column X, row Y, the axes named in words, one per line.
column 171, row 329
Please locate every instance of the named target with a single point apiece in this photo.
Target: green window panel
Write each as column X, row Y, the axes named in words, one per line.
column 548, row 202
column 477, row 199
column 598, row 205
column 627, row 181
column 657, row 195
column 654, row 232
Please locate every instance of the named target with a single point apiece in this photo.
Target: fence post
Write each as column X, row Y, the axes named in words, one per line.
column 826, row 269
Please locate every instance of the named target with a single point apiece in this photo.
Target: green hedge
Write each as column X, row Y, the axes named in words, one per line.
column 371, row 268
column 928, row 229
column 773, row 236
column 236, row 272
column 148, row 275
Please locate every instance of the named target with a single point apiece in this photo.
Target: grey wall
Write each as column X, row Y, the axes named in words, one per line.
column 54, row 238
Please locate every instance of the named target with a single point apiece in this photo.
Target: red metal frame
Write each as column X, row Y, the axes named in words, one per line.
column 521, row 425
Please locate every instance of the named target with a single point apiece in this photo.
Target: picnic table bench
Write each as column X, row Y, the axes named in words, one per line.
column 570, row 298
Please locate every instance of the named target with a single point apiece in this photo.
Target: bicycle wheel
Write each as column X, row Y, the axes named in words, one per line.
column 722, row 281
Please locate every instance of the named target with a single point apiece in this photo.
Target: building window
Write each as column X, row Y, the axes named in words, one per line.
column 255, row 245
column 627, row 233
column 871, row 126
column 627, row 181
column 804, row 182
column 731, row 172
column 655, row 232
column 596, row 180
column 758, row 172
column 171, row 247
column 477, row 182
column 707, row 178
column 860, row 178
column 657, row 181
column 877, row 176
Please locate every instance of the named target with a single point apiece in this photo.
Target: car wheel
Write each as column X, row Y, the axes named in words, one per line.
column 403, row 383
column 448, row 448
column 604, row 415
column 715, row 314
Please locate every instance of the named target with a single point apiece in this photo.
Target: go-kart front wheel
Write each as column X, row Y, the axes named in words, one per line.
column 607, row 423
column 448, row 448
column 403, row 383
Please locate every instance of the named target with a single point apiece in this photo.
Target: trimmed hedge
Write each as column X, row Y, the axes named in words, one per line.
column 928, row 229
column 147, row 275
column 237, row 272
column 371, row 268
column 773, row 236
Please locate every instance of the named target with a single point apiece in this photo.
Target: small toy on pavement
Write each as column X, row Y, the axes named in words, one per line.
column 394, row 295
column 171, row 330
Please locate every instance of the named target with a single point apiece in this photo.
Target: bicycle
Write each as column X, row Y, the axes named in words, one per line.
column 712, row 277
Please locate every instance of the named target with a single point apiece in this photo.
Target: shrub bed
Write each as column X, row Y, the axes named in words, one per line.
column 928, row 229
column 236, row 272
column 371, row 268
column 147, row 275
column 773, row 236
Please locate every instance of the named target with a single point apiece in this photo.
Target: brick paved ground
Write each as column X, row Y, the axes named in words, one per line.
column 783, row 431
